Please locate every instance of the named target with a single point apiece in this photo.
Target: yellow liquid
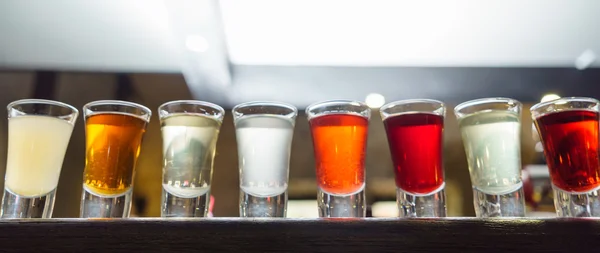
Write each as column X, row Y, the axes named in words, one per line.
column 36, row 150
column 113, row 143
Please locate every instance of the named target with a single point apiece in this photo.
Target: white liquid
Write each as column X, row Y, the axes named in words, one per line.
column 493, row 148
column 264, row 144
column 189, row 143
column 36, row 150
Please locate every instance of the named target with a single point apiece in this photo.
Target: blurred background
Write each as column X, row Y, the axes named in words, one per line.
column 298, row 51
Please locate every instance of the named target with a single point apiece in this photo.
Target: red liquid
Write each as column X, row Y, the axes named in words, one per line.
column 340, row 145
column 570, row 140
column 416, row 147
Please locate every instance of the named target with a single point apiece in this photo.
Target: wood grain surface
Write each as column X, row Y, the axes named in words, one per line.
column 300, row 235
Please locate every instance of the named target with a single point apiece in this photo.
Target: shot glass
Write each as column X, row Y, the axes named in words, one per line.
column 568, row 129
column 113, row 134
column 491, row 134
column 190, row 130
column 339, row 132
column 264, row 133
column 38, row 135
column 415, row 131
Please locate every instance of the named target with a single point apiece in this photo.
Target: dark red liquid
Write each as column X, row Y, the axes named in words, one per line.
column 570, row 140
column 416, row 147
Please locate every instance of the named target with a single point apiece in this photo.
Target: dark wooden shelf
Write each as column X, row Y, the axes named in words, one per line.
column 300, row 235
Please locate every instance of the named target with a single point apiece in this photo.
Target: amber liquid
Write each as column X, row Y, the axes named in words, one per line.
column 113, row 143
column 340, row 145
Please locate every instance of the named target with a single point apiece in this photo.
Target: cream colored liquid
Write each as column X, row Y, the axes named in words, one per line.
column 36, row 149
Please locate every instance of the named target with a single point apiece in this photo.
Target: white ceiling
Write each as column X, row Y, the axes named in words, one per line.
column 136, row 35
column 101, row 35
column 411, row 33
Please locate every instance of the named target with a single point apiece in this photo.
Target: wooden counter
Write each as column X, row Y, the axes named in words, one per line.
column 301, row 235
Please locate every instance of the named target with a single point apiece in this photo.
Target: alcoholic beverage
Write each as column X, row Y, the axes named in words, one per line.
column 264, row 132
column 339, row 131
column 570, row 140
column 113, row 136
column 568, row 129
column 492, row 144
column 113, row 143
column 415, row 133
column 190, row 130
column 490, row 130
column 340, row 141
column 415, row 141
column 38, row 135
column 264, row 145
column 189, row 144
column 36, row 149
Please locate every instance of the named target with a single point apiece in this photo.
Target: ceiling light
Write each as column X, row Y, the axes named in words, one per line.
column 375, row 100
column 550, row 97
column 585, row 59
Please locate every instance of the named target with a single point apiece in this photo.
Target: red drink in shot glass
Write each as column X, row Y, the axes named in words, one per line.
column 568, row 129
column 414, row 130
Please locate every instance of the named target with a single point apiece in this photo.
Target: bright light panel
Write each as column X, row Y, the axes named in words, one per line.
column 414, row 33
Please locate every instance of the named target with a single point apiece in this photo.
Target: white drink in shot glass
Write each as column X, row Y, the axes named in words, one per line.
column 490, row 130
column 37, row 143
column 264, row 144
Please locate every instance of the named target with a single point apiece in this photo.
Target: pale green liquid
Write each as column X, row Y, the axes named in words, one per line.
column 492, row 144
column 189, row 143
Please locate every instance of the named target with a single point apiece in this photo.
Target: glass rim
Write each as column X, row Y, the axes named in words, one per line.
column 482, row 101
column 194, row 102
column 119, row 102
column 335, row 102
column 42, row 101
column 411, row 101
column 562, row 99
column 293, row 108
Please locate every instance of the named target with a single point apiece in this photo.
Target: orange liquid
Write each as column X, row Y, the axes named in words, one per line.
column 112, row 147
column 340, row 145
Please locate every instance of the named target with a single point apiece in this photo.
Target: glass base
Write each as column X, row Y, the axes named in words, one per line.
column 174, row 206
column 253, row 206
column 430, row 205
column 341, row 206
column 510, row 204
column 99, row 206
column 15, row 206
column 570, row 204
